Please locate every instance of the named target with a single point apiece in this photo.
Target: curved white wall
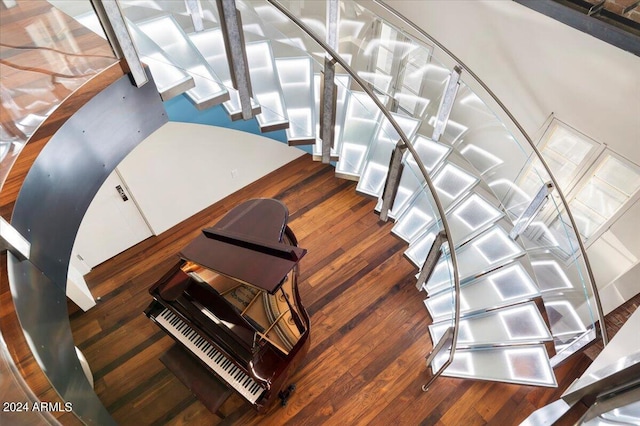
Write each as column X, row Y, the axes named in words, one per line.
column 183, row 168
column 177, row 171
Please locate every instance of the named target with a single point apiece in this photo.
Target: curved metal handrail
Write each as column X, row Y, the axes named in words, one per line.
column 583, row 250
column 423, row 170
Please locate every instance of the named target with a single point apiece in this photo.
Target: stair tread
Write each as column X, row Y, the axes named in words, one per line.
column 521, row 323
column 170, row 37
column 526, row 365
column 504, row 286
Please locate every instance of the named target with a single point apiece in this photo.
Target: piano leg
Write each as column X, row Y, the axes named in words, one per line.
column 285, row 394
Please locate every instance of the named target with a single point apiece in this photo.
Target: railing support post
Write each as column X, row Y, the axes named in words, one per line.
column 231, row 26
column 328, row 106
column 432, row 259
column 531, row 211
column 115, row 28
column 195, row 11
column 393, row 180
column 446, row 105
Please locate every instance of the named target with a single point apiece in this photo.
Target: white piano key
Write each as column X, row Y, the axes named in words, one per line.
column 204, row 350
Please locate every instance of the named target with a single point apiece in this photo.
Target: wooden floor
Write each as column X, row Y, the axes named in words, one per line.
column 369, row 325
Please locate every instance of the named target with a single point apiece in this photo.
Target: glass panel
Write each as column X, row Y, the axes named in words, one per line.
column 514, row 324
column 66, row 54
column 524, row 365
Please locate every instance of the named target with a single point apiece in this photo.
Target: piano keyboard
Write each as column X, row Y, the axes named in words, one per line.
column 204, row 350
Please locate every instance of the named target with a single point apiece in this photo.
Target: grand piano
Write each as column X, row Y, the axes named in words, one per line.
column 231, row 302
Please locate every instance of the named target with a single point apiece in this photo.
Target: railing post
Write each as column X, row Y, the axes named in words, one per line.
column 432, row 259
column 393, row 180
column 531, row 211
column 233, row 35
column 333, row 18
column 446, row 105
column 195, row 11
column 115, row 28
column 328, row 106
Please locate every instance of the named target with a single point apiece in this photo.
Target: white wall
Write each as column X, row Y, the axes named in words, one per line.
column 179, row 170
column 538, row 66
column 183, row 168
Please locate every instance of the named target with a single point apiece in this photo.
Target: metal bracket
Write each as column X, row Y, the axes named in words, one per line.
column 596, row 8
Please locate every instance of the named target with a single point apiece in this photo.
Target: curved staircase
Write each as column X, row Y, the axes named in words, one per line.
column 525, row 301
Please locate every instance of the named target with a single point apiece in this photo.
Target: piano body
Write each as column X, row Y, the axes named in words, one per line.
column 232, row 301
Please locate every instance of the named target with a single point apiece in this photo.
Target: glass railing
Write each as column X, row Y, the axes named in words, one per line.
column 44, row 59
column 499, row 148
column 411, row 71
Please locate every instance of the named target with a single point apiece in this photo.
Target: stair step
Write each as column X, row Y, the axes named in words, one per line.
column 563, row 295
column 167, row 34
column 490, row 250
column 502, row 287
column 296, row 80
column 451, row 182
column 210, row 44
column 516, row 324
column 266, row 87
column 376, row 166
column 466, row 220
column 170, row 79
column 564, row 319
column 525, row 365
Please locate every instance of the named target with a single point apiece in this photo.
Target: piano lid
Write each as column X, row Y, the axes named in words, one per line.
column 246, row 245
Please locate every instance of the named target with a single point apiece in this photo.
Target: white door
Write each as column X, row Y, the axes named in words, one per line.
column 112, row 224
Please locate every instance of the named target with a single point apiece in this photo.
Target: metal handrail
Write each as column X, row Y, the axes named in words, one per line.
column 423, row 170
column 592, row 281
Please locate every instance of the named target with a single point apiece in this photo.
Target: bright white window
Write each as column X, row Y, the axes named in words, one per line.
column 611, row 184
column 564, row 149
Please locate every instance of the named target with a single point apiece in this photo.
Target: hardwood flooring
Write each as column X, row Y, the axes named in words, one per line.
column 369, row 327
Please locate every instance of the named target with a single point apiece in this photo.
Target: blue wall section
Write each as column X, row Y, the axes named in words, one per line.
column 182, row 110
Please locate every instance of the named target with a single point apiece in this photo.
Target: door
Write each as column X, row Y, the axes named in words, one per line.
column 113, row 223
